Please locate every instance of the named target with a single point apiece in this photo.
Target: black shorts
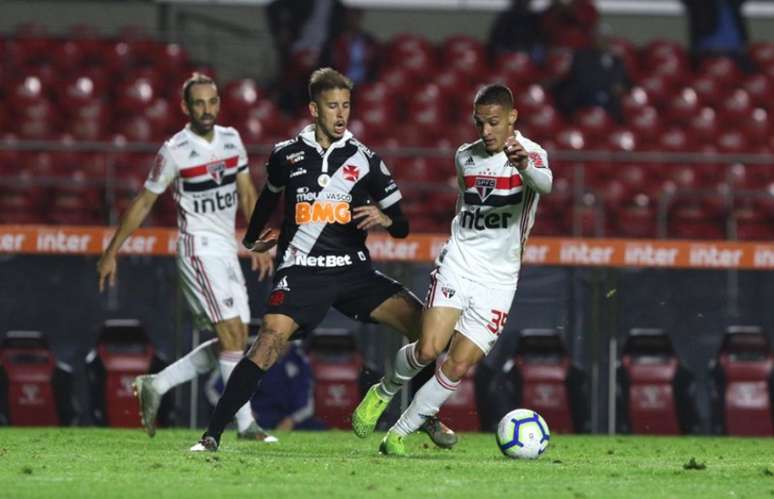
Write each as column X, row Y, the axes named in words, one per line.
column 306, row 295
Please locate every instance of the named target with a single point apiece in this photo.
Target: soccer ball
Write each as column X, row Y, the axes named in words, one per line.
column 523, row 434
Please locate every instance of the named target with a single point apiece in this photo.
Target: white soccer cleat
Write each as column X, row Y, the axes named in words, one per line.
column 206, row 444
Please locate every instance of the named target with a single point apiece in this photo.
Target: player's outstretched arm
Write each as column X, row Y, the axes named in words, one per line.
column 133, row 218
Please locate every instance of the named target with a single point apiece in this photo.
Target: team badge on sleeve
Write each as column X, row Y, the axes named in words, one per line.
column 158, row 167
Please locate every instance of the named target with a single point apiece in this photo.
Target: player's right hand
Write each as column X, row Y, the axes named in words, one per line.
column 106, row 269
column 263, row 263
column 266, row 241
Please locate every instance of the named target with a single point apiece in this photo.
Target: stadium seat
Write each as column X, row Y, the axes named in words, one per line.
column 517, row 67
column 762, row 53
column 123, row 351
column 595, row 123
column 658, row 89
column 622, row 140
column 733, row 142
column 760, row 89
column 531, row 99
column 636, row 218
column 543, row 122
column 571, row 138
column 557, row 63
column 704, row 125
column 412, row 53
column 693, row 221
column 645, row 122
column 464, row 55
column 588, row 216
column 67, row 55
column 682, row 106
column 722, row 69
column 656, row 393
column 757, row 127
column 337, row 367
column 752, row 224
column 737, row 106
column 35, row 388
column 676, row 140
column 627, row 51
column 633, row 102
column 658, row 51
column 742, row 396
column 399, row 81
column 545, row 379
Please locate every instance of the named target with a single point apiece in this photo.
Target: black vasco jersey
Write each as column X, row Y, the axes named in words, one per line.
column 321, row 188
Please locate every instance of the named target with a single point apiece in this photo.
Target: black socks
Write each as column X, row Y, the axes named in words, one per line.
column 240, row 388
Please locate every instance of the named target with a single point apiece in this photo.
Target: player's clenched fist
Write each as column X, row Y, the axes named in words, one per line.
column 517, row 155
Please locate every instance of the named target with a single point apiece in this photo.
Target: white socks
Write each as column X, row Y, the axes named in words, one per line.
column 200, row 360
column 427, row 402
column 228, row 361
column 405, row 367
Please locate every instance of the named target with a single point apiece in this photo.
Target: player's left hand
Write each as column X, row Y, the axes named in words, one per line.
column 517, row 155
column 263, row 263
column 370, row 216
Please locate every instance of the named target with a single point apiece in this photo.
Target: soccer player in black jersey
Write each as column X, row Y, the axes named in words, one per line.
column 335, row 190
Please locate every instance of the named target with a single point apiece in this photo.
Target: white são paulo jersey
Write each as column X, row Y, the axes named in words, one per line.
column 205, row 191
column 496, row 212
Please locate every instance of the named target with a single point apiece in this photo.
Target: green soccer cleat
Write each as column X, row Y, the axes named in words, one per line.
column 392, row 445
column 149, row 400
column 367, row 413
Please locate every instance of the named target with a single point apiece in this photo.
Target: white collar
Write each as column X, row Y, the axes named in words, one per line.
column 307, row 135
column 201, row 139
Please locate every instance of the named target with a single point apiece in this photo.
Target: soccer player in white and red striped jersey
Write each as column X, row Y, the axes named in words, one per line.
column 501, row 177
column 207, row 166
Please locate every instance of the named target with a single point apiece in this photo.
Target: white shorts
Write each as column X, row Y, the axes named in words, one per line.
column 214, row 288
column 484, row 307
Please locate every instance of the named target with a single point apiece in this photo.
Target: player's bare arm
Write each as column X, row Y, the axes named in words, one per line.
column 261, row 262
column 133, row 218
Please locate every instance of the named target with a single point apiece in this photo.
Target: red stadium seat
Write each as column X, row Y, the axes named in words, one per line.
column 238, row 96
column 588, row 217
column 722, row 69
column 752, row 225
column 557, row 63
column 757, row 127
column 595, row 123
column 464, row 55
column 636, row 218
column 733, row 142
column 532, row 99
column 683, row 106
column 455, row 89
column 676, row 140
column 622, row 139
column 68, row 55
column 118, row 57
column 399, row 81
column 571, row 138
column 709, row 91
column 657, row 87
column 543, row 122
column 657, row 51
column 136, row 95
column 517, row 67
column 613, row 194
column 272, row 119
column 412, row 53
column 762, row 53
column 704, row 125
column 646, row 124
column 633, row 102
column 737, row 106
column 627, row 51
column 691, row 221
column 760, row 89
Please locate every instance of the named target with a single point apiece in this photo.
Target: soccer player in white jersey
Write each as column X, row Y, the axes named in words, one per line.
column 207, row 166
column 501, row 177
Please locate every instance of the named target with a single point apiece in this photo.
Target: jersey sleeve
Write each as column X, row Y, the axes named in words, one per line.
column 242, row 162
column 460, row 170
column 277, row 172
column 163, row 171
column 381, row 185
column 538, row 175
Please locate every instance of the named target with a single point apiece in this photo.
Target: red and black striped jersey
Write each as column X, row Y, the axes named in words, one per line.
column 321, row 187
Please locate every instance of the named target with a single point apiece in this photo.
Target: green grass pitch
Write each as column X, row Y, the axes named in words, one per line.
column 82, row 463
